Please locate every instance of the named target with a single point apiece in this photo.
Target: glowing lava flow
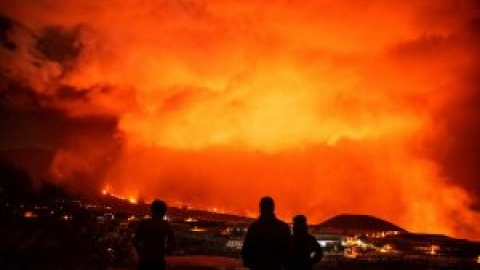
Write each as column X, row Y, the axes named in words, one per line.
column 131, row 199
column 328, row 106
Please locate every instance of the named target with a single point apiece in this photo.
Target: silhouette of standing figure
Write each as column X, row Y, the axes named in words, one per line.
column 305, row 250
column 154, row 239
column 267, row 241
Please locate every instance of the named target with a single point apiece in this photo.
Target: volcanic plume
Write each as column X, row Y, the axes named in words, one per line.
column 359, row 106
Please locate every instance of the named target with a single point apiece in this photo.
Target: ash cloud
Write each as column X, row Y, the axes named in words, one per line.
column 214, row 103
column 33, row 117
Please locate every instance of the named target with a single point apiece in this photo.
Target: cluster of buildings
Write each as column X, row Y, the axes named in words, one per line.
column 358, row 237
column 364, row 237
column 342, row 237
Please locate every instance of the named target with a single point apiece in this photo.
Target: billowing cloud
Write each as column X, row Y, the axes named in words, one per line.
column 359, row 106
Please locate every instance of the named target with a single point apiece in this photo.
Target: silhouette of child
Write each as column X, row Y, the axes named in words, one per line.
column 305, row 250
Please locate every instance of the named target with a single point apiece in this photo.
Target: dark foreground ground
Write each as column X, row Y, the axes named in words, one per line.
column 71, row 237
column 211, row 262
column 58, row 245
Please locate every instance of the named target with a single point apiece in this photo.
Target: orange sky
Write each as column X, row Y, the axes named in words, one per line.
column 330, row 107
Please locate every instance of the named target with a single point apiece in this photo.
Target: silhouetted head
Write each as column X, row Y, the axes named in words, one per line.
column 159, row 208
column 300, row 224
column 267, row 206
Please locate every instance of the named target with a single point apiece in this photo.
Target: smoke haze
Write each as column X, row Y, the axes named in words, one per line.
column 361, row 106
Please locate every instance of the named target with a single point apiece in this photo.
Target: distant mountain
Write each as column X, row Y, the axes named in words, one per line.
column 358, row 223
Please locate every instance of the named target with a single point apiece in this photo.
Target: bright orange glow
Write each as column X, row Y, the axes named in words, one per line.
column 327, row 106
column 29, row 214
column 132, row 200
column 108, row 191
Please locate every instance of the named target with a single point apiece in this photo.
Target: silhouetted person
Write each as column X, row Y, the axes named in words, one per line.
column 305, row 250
column 266, row 244
column 154, row 239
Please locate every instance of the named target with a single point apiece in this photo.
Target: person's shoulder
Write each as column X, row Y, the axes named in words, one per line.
column 162, row 223
column 142, row 222
column 311, row 237
column 282, row 223
column 282, row 226
column 254, row 224
column 313, row 241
